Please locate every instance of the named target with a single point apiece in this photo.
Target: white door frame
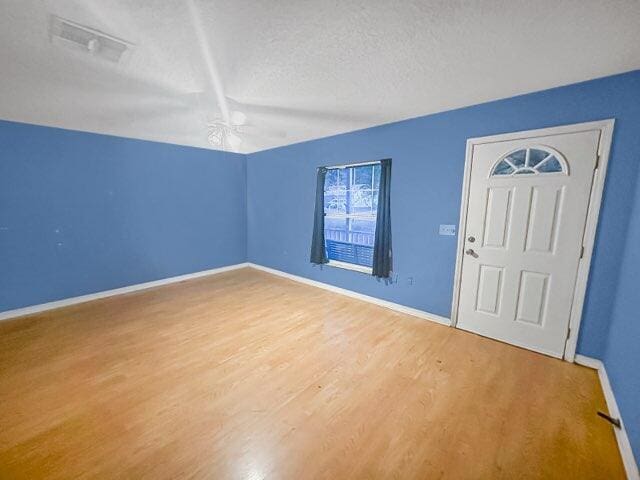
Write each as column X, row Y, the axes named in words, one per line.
column 604, row 147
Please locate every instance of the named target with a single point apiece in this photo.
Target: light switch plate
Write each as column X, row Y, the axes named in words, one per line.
column 447, row 230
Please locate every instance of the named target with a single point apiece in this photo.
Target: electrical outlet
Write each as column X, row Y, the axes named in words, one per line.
column 410, row 280
column 449, row 230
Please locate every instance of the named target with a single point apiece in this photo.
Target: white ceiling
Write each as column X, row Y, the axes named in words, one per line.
column 299, row 69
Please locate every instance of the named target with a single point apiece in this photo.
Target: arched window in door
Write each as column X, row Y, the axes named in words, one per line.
column 530, row 161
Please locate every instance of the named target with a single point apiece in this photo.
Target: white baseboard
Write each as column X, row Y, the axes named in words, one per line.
column 621, row 433
column 19, row 312
column 349, row 293
column 588, row 362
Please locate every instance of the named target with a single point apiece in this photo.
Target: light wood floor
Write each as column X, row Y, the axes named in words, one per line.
column 245, row 375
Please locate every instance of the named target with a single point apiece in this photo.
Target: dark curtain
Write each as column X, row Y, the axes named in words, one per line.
column 318, row 253
column 382, row 258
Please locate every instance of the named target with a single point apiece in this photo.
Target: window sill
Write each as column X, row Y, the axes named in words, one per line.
column 350, row 266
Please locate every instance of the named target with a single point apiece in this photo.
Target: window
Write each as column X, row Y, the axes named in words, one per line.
column 350, row 208
column 530, row 161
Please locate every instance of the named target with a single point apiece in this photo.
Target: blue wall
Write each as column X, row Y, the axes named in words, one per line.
column 428, row 162
column 622, row 356
column 82, row 213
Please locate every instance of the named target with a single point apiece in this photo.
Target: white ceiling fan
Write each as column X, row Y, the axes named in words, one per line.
column 230, row 128
column 227, row 134
column 225, row 130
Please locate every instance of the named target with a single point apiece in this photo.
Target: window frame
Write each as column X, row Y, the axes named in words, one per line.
column 349, row 216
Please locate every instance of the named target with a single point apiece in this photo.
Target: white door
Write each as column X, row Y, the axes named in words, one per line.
column 527, row 208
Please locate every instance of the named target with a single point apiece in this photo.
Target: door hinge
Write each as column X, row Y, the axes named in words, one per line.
column 568, row 333
column 597, row 162
column 582, row 251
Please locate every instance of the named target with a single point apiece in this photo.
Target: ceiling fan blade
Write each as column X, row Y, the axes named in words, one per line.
column 142, row 114
column 293, row 112
column 256, row 142
column 252, row 129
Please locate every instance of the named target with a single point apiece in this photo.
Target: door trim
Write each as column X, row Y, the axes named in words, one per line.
column 604, row 147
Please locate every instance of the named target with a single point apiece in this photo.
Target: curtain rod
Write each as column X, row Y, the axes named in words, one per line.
column 348, row 165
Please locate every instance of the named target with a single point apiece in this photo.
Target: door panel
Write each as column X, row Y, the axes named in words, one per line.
column 496, row 227
column 489, row 289
column 528, row 200
column 532, row 297
column 543, row 219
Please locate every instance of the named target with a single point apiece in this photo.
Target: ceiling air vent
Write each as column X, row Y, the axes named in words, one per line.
column 85, row 39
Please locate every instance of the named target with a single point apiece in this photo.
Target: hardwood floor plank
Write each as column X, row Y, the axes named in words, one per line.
column 248, row 375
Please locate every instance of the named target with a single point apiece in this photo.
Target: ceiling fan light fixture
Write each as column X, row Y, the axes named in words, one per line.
column 221, row 135
column 234, row 140
column 238, row 118
column 215, row 135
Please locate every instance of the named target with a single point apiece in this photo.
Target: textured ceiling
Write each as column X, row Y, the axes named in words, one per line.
column 299, row 69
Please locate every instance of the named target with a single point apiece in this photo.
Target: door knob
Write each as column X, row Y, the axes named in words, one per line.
column 471, row 252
